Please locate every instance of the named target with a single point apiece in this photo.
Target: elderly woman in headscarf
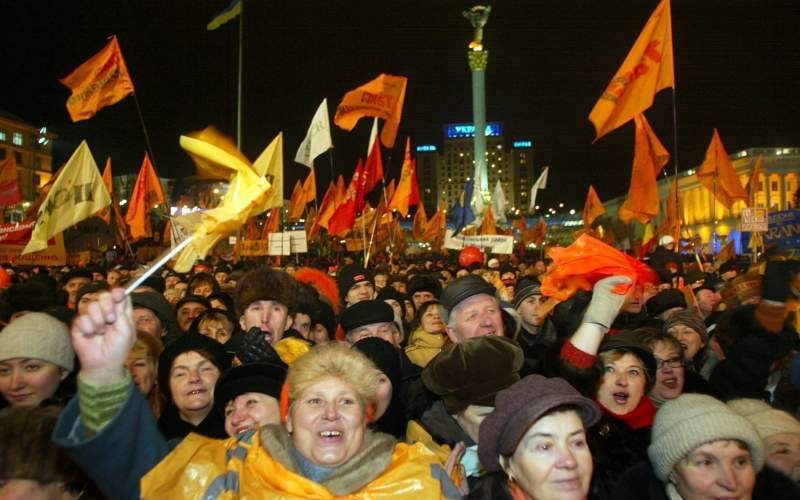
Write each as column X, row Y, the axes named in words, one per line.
column 534, row 444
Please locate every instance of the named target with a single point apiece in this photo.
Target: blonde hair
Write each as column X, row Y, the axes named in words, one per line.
column 334, row 360
column 216, row 320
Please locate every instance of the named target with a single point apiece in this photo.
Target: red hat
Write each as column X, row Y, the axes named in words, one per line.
column 470, row 255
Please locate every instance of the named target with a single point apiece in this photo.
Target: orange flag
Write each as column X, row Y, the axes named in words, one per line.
column 382, row 97
column 344, row 218
column 272, row 223
column 402, row 197
column 672, row 222
column 390, row 189
column 536, row 234
column 434, row 231
column 251, row 231
column 754, row 183
column 649, row 158
column 420, row 223
column 592, row 209
column 726, row 253
column 487, row 225
column 373, row 170
column 101, row 81
column 296, row 204
column 9, row 182
column 718, row 176
column 520, row 224
column 310, row 188
column 326, row 209
column 147, row 194
column 105, row 214
column 647, row 70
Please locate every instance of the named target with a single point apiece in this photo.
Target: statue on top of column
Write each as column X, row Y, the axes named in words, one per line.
column 477, row 15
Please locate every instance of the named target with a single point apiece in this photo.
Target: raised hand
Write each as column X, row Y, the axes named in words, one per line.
column 103, row 337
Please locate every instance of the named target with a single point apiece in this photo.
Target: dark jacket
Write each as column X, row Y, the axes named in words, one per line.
column 122, row 452
column 615, row 447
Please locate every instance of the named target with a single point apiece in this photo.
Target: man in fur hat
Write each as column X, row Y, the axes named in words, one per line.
column 266, row 298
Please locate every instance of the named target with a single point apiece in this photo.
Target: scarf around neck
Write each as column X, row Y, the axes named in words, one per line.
column 642, row 416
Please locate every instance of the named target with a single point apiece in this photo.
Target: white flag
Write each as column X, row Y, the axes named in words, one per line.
column 372, row 135
column 499, row 203
column 477, row 199
column 540, row 183
column 318, row 137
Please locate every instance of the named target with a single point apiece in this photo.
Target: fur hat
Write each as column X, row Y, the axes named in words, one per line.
column 692, row 420
column 37, row 335
column 519, row 407
column 424, row 283
column 473, row 371
column 767, row 420
column 26, row 451
column 265, row 283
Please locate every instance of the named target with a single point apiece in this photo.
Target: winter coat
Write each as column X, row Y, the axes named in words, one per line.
column 615, row 447
column 423, row 346
column 640, row 482
column 262, row 464
column 122, row 452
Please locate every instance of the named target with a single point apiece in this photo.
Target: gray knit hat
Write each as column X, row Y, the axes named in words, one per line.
column 690, row 319
column 37, row 335
column 692, row 420
column 767, row 420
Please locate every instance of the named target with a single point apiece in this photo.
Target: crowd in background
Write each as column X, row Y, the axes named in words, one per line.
column 441, row 376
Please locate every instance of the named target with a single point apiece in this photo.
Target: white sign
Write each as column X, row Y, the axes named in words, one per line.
column 755, row 219
column 279, row 244
column 298, row 241
column 493, row 243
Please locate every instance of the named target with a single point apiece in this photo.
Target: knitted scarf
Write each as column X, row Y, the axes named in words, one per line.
column 642, row 416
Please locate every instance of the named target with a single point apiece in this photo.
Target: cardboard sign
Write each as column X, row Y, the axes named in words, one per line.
column 755, row 219
column 253, row 247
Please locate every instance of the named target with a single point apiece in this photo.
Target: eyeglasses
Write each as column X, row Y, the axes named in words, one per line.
column 671, row 362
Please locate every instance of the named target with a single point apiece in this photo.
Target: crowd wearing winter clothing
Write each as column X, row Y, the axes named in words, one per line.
column 436, row 377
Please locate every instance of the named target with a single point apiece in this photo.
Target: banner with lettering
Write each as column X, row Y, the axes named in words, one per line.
column 783, row 230
column 494, row 243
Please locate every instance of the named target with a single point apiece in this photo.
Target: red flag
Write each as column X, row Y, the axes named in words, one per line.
column 272, row 223
column 147, row 194
column 101, row 81
column 345, row 216
column 9, row 182
column 360, row 178
column 373, row 170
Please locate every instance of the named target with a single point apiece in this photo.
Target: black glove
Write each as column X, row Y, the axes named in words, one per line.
column 254, row 348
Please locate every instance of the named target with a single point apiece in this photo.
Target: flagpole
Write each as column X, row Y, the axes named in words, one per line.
column 239, row 89
column 144, row 129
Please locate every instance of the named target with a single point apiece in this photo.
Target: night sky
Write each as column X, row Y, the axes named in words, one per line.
column 737, row 69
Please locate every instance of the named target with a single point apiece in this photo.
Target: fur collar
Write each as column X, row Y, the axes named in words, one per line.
column 367, row 464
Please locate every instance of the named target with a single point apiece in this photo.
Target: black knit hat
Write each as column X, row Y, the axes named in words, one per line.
column 473, row 371
column 366, row 312
column 351, row 275
column 525, row 289
column 385, row 356
column 185, row 343
column 665, row 300
column 424, row 283
column 391, row 293
column 322, row 313
column 262, row 377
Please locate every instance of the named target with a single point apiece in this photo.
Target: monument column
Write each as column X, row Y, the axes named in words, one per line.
column 478, row 58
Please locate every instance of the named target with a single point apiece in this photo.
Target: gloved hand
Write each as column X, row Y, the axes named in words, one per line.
column 254, row 347
column 605, row 304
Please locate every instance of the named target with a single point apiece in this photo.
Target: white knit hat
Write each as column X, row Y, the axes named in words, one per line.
column 37, row 335
column 692, row 420
column 767, row 420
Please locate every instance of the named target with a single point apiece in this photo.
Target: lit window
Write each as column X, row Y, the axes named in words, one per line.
column 17, row 139
column 3, row 135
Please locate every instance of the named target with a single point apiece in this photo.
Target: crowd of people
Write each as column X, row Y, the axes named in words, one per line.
column 443, row 376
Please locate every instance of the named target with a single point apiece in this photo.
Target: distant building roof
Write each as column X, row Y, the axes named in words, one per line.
column 11, row 116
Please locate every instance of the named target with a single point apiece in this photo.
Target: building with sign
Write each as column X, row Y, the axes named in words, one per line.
column 443, row 173
column 703, row 216
column 32, row 149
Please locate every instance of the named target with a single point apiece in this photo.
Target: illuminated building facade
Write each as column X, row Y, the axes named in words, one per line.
column 442, row 172
column 32, row 148
column 702, row 215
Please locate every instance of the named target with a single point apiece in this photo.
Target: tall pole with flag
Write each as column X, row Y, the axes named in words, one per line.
column 234, row 9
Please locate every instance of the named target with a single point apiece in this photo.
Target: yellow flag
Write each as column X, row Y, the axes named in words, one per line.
column 718, row 175
column 76, row 195
column 647, row 70
column 649, row 158
column 269, row 164
column 592, row 208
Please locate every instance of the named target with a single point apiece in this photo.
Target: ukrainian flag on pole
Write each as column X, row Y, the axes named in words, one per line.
column 230, row 13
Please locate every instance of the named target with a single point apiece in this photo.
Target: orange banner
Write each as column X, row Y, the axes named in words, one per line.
column 382, row 97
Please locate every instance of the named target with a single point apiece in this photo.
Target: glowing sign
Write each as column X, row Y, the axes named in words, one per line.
column 426, row 148
column 523, row 144
column 462, row 130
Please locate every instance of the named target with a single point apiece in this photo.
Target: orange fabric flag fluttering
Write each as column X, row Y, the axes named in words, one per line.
column 434, row 231
column 406, row 187
column 420, row 223
column 310, row 188
column 488, row 226
column 10, row 193
column 101, row 81
column 296, row 204
column 326, row 209
column 672, row 223
column 382, row 97
column 344, row 218
column 718, row 175
column 105, row 214
column 592, row 209
column 649, row 158
column 754, row 183
column 147, row 194
column 272, row 223
column 647, row 69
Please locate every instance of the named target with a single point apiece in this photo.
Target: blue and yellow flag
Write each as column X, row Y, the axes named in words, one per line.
column 230, row 13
